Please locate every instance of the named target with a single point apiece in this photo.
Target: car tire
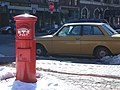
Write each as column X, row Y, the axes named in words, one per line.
column 40, row 50
column 101, row 52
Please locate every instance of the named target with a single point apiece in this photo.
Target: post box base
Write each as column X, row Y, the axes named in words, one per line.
column 33, row 81
column 26, row 72
column 27, row 82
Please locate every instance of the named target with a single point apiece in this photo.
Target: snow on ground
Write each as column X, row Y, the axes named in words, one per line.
column 6, row 72
column 45, row 82
column 2, row 55
column 111, row 59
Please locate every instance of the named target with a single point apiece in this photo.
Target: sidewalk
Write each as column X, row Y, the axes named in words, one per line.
column 110, row 71
column 71, row 76
column 83, row 76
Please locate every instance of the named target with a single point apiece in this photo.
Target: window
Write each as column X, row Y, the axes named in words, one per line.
column 108, row 29
column 97, row 31
column 107, row 1
column 76, row 2
column 75, row 31
column 70, row 2
column 116, row 1
column 70, row 31
column 64, row 2
column 84, row 13
column 96, row 13
column 64, row 31
column 91, row 30
column 87, row 30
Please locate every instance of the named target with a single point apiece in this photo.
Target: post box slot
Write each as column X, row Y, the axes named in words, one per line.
column 23, row 48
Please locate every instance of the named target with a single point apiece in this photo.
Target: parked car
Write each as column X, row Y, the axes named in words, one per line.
column 91, row 39
column 8, row 30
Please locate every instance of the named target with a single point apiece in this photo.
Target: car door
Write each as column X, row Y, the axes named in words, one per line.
column 67, row 40
column 91, row 37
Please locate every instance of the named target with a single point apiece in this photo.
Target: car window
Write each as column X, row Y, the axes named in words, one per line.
column 75, row 31
column 97, row 31
column 64, row 31
column 70, row 31
column 91, row 30
column 109, row 29
column 87, row 30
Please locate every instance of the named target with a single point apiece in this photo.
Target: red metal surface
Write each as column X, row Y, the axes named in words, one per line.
column 25, row 48
column 25, row 26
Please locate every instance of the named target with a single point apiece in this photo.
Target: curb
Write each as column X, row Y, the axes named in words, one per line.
column 7, row 59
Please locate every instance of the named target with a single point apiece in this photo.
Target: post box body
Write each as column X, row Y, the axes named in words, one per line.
column 26, row 61
column 25, row 48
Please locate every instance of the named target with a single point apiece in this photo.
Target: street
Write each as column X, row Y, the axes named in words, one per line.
column 7, row 51
column 7, row 44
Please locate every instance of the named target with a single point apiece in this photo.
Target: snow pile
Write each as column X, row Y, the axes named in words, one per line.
column 111, row 59
column 44, row 82
column 6, row 72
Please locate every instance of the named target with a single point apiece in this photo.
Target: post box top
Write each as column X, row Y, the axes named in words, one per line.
column 25, row 17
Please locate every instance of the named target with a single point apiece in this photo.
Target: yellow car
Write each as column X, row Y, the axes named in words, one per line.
column 91, row 39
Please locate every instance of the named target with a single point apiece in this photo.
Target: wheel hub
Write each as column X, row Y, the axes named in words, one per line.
column 102, row 53
column 38, row 51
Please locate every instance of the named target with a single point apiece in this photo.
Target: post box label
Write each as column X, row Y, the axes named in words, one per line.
column 24, row 31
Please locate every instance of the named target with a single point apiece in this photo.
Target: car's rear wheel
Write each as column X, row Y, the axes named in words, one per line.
column 40, row 50
column 101, row 52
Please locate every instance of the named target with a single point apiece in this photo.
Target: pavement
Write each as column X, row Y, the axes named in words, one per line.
column 83, row 76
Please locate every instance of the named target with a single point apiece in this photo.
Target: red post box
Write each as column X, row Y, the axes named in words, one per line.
column 25, row 48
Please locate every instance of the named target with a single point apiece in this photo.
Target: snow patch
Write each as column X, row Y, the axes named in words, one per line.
column 111, row 59
column 6, row 72
column 45, row 82
column 1, row 55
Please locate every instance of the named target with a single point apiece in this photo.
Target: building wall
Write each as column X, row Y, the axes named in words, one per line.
column 64, row 10
column 101, row 9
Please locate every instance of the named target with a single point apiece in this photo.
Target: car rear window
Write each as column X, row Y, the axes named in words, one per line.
column 109, row 29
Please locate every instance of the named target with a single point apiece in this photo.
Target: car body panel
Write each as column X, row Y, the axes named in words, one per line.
column 66, row 44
